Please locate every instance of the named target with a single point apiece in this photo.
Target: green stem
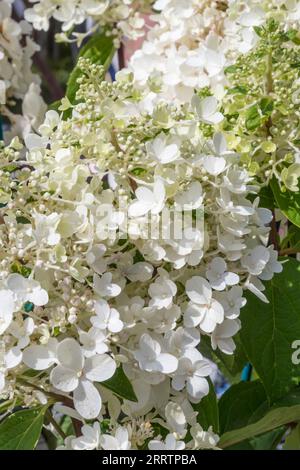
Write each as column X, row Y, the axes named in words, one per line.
column 55, row 424
column 40, row 389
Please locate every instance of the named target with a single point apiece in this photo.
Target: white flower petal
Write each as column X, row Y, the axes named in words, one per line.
column 70, row 355
column 99, row 368
column 39, row 357
column 87, row 400
column 64, row 379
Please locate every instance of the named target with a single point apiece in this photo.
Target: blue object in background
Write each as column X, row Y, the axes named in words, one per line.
column 246, row 373
column 112, row 72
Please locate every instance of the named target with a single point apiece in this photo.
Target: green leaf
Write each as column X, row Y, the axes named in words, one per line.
column 242, row 404
column 268, row 441
column 231, row 69
column 268, row 331
column 100, row 50
column 292, row 442
column 22, row 220
column 272, row 420
column 120, row 385
column 293, row 36
column 208, row 413
column 252, row 118
column 266, row 105
column 259, row 30
column 266, row 198
column 19, row 268
column 21, row 430
column 239, row 89
column 288, row 202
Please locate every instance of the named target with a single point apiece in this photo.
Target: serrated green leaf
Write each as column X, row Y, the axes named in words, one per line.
column 207, row 408
column 120, row 385
column 21, row 430
column 100, row 50
column 288, row 202
column 268, row 331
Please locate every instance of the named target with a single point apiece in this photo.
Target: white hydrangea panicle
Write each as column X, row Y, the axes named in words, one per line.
column 95, row 280
column 17, row 80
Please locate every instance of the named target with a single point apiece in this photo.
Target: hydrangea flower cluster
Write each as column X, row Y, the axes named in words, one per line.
column 17, row 81
column 121, row 17
column 192, row 42
column 96, row 281
column 262, row 99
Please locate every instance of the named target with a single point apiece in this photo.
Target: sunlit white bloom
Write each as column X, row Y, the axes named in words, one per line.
column 120, row 441
column 203, row 310
column 256, row 260
column 104, row 286
column 106, row 317
column 207, row 109
column 222, row 336
column 191, row 372
column 170, row 443
column 90, row 438
column 218, row 276
column 272, row 266
column 93, row 341
column 27, row 290
column 162, row 292
column 232, row 301
column 95, row 258
column 162, row 150
column 152, row 359
column 148, row 200
column 204, row 439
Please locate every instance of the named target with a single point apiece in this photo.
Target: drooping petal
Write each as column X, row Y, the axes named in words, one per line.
column 87, row 400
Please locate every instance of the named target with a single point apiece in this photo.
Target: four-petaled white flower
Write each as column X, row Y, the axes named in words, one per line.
column 170, row 443
column 203, row 310
column 162, row 292
column 222, row 335
column 163, row 150
column 104, row 287
column 218, row 275
column 120, row 441
column 151, row 358
column 106, row 317
column 207, row 109
column 191, row 372
column 73, row 373
column 148, row 200
column 27, row 290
